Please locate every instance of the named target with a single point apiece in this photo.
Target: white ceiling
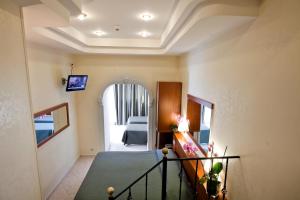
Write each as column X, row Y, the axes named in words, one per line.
column 178, row 25
column 105, row 14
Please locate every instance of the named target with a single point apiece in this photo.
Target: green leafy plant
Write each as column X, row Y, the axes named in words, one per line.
column 212, row 179
column 173, row 127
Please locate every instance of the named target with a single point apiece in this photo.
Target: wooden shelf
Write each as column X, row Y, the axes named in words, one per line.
column 179, row 141
column 190, row 166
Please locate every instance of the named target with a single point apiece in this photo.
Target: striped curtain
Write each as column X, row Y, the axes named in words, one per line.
column 131, row 100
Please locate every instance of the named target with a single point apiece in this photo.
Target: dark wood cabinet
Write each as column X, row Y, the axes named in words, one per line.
column 168, row 108
column 164, row 139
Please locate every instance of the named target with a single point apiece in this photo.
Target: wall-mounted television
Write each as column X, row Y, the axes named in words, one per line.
column 76, row 82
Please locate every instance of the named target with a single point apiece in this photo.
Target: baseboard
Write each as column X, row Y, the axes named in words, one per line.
column 59, row 180
column 88, row 154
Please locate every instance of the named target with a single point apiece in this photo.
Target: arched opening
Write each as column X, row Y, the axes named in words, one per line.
column 127, row 117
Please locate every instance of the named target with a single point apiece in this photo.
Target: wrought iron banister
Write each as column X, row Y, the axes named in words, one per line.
column 164, row 161
column 133, row 183
column 224, row 190
column 204, row 158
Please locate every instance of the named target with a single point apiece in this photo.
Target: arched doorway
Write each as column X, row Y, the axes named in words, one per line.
column 127, row 117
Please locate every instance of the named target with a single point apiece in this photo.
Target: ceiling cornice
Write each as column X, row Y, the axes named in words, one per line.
column 187, row 19
column 181, row 13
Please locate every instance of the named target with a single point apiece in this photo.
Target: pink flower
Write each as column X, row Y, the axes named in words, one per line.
column 189, row 147
column 209, row 148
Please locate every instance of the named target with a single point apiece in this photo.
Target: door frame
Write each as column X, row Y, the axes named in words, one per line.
column 151, row 134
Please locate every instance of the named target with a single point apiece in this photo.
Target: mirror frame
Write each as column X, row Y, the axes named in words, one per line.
column 43, row 112
column 193, row 114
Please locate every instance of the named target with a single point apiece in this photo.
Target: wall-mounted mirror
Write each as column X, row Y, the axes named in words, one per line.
column 199, row 113
column 50, row 122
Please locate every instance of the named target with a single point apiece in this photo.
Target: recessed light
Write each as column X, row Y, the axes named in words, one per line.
column 99, row 33
column 82, row 16
column 146, row 16
column 144, row 34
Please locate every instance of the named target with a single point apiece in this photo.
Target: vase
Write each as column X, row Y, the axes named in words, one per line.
column 213, row 187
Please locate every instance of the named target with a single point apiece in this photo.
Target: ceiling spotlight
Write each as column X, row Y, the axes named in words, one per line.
column 144, row 34
column 81, row 16
column 99, row 33
column 146, row 16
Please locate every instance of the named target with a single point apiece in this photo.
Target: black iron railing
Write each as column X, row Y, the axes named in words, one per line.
column 110, row 190
column 164, row 163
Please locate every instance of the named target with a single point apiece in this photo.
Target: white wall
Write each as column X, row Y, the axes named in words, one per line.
column 104, row 70
column 57, row 156
column 18, row 166
column 253, row 76
column 110, row 114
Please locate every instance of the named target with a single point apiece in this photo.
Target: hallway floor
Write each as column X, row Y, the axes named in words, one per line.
column 68, row 187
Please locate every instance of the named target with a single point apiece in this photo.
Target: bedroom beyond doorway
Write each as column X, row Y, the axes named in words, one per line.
column 126, row 121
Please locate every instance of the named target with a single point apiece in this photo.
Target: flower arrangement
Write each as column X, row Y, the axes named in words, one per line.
column 180, row 125
column 189, row 147
column 183, row 124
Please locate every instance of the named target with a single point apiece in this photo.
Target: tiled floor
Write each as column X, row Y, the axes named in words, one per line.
column 70, row 184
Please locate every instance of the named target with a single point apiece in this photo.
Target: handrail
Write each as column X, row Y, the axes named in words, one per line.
column 139, row 178
column 204, row 158
column 164, row 160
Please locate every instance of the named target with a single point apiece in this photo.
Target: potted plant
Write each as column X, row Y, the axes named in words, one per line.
column 212, row 180
column 174, row 127
column 212, row 177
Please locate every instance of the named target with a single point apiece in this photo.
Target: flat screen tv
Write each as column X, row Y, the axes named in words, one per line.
column 76, row 82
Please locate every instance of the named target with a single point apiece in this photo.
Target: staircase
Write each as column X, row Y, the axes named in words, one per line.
column 196, row 190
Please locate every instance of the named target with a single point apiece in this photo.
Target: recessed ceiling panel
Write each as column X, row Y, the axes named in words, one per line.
column 104, row 15
column 137, row 26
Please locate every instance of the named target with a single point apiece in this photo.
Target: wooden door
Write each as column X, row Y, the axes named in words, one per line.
column 168, row 104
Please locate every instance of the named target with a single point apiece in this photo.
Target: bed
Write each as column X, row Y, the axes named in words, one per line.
column 137, row 120
column 119, row 169
column 44, row 127
column 136, row 131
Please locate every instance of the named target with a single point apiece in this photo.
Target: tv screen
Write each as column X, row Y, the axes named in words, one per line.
column 76, row 82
